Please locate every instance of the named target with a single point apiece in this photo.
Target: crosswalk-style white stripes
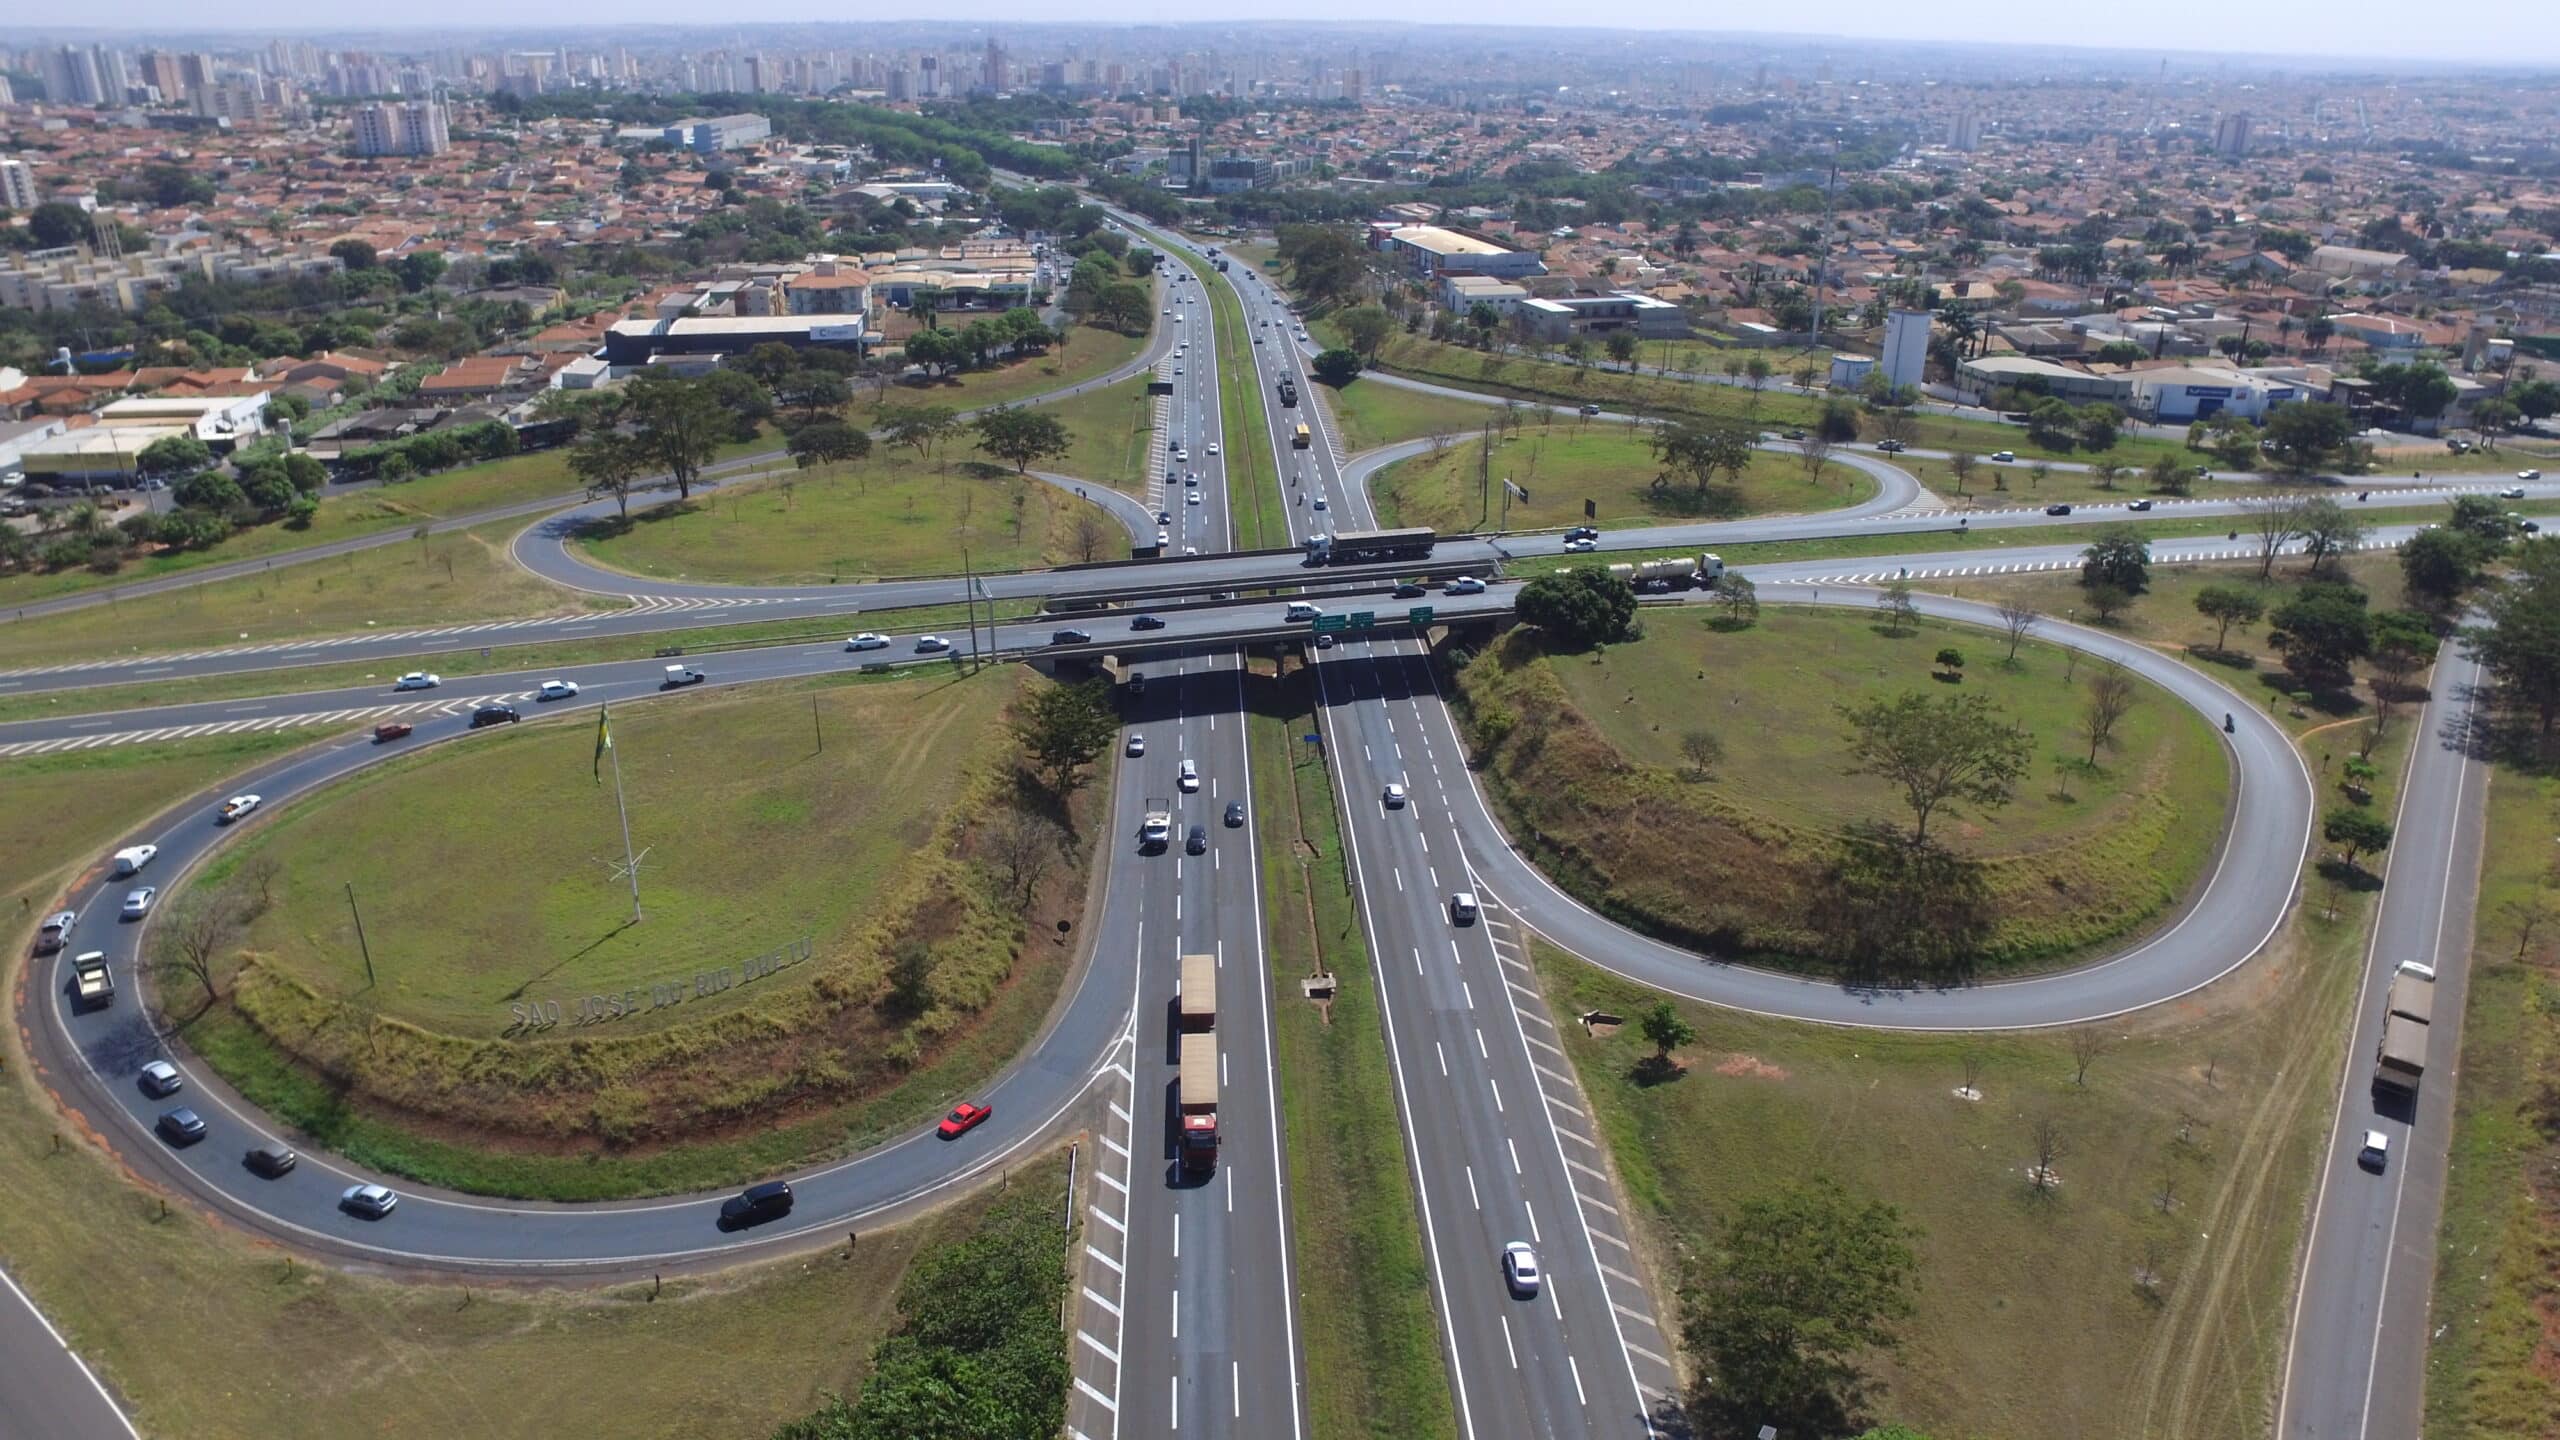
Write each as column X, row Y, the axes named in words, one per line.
column 2162, row 553
column 1101, row 1330
column 296, row 721
column 640, row 605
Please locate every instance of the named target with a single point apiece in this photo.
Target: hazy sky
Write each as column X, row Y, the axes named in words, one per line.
column 2488, row 32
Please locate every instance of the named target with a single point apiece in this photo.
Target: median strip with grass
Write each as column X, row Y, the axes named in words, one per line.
column 1576, row 471
column 1254, row 509
column 829, row 950
column 1372, row 1338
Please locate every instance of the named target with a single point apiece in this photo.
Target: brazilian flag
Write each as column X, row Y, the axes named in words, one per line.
column 604, row 742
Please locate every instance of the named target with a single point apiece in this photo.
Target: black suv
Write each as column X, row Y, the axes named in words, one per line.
column 494, row 715
column 1198, row 842
column 1583, row 532
column 1069, row 637
column 1410, row 591
column 755, row 1205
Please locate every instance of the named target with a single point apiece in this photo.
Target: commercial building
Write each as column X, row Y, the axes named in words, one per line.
column 1565, row 316
column 17, row 185
column 1461, row 294
column 632, row 343
column 107, row 451
column 1986, row 373
column 415, row 127
column 2180, row 395
column 720, row 133
column 1433, row 250
column 1906, row 348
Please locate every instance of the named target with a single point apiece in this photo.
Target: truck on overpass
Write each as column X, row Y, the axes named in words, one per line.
column 1355, row 547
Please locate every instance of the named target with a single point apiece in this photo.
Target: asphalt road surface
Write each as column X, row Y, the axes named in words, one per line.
column 46, row 1391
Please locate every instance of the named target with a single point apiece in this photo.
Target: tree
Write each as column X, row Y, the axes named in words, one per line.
column 57, row 223
column 2483, row 520
column 307, row 474
column 1804, row 1283
column 1739, row 597
column 2171, row 475
column 1901, row 611
column 1021, row 437
column 1950, row 662
column 2356, row 831
column 266, row 489
column 2275, row 521
column 2119, row 557
column 196, row 934
column 1703, row 751
column 2226, row 606
column 1815, row 449
column 1699, row 450
column 2521, row 643
column 1025, row 846
column 1838, row 422
column 2107, row 473
column 1580, row 607
column 173, row 457
column 1064, row 728
column 2111, row 696
column 2017, row 617
column 607, row 463
column 2322, row 630
column 1622, row 345
column 827, row 442
column 354, row 254
column 919, row 427
column 1664, row 1026
column 1365, row 328
column 2087, row 1043
column 1089, row 535
column 210, row 491
column 2304, row 435
column 938, row 351
column 1937, row 751
column 421, row 269
column 2327, row 531
column 2403, row 642
column 1960, row 464
column 1336, row 367
column 678, row 425
column 814, row 391
column 2437, row 565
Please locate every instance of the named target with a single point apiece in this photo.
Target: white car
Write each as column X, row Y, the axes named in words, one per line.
column 931, row 644
column 137, row 901
column 2004, row 457
column 2528, row 474
column 1466, row 585
column 1163, row 538
column 557, row 690
column 868, row 640
column 1580, row 547
column 1520, row 1268
column 417, row 680
column 1137, row 746
column 1191, row 497
column 1188, row 777
column 1394, row 797
column 2512, row 492
column 2419, row 969
column 1463, row 908
column 1213, row 447
column 2376, row 1152
column 1320, row 505
column 370, row 1201
column 160, row 1080
column 238, row 807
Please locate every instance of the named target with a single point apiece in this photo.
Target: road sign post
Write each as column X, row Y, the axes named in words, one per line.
column 1328, row 624
column 1363, row 619
column 1418, row 615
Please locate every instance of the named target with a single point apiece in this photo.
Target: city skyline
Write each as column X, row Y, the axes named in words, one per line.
column 2359, row 31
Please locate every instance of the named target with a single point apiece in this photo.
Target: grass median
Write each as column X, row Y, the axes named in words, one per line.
column 1254, row 509
column 1372, row 1338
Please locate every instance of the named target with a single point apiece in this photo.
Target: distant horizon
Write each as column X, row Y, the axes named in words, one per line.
column 2364, row 33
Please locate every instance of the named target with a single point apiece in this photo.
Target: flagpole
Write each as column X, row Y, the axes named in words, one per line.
column 629, row 864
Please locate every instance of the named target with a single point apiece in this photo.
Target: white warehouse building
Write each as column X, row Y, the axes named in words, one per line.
column 2183, row 394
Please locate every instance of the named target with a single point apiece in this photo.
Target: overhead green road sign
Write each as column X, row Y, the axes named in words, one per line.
column 1363, row 619
column 1419, row 615
column 1326, row 624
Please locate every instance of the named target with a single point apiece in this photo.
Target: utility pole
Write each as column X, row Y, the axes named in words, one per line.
column 361, row 944
column 630, row 861
column 969, row 597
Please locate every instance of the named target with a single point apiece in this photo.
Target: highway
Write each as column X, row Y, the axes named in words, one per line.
column 49, row 1392
column 2355, row 1364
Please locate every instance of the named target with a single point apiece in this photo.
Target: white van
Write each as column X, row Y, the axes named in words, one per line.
column 132, row 858
column 1301, row 610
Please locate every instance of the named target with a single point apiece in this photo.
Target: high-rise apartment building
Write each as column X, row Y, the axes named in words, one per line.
column 1965, row 131
column 2231, row 135
column 71, row 77
column 414, row 128
column 17, row 185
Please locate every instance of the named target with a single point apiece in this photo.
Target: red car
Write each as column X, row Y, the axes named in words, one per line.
column 963, row 1119
column 394, row 730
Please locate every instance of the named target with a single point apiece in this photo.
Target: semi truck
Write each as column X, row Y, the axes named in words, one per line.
column 2401, row 1060
column 1199, row 993
column 1156, row 831
column 1678, row 573
column 1199, row 1102
column 1355, row 547
column 95, row 984
column 1288, row 388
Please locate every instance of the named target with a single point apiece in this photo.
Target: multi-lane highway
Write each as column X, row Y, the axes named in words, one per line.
column 1199, row 1306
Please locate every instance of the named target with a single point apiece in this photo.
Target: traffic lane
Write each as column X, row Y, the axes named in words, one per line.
column 99, row 1054
column 52, row 1393
column 2244, row 898
column 2369, row 1267
column 1514, row 1352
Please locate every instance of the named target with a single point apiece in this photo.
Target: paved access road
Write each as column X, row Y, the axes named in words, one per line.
column 2356, row 1366
column 46, row 1391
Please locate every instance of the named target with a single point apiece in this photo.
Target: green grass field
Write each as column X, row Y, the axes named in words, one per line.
column 496, row 855
column 1373, row 415
column 1372, row 1341
column 890, row 515
column 2491, row 1362
column 479, row 865
column 205, row 1332
column 1113, row 427
column 1090, row 352
column 1608, row 467
column 1592, row 767
column 1255, row 515
column 451, row 578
